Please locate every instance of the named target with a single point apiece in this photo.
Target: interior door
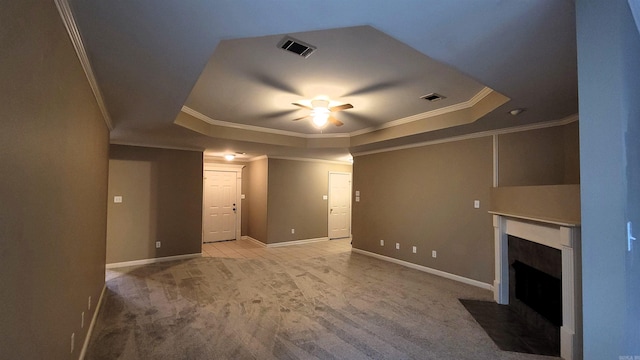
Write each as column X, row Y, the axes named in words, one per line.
column 219, row 206
column 339, row 205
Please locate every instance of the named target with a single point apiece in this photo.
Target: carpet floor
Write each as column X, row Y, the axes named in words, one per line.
column 336, row 306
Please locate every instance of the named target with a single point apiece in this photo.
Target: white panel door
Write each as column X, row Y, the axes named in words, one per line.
column 219, row 206
column 339, row 205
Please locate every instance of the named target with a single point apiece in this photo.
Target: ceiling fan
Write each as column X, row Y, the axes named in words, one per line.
column 321, row 112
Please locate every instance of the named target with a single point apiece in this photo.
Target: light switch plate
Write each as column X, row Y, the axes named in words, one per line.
column 117, row 199
column 476, row 204
column 357, row 192
column 357, row 198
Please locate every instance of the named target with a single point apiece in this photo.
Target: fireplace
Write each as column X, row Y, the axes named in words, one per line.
column 538, row 290
column 537, row 273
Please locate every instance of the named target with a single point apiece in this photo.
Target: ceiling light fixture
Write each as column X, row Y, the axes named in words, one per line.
column 229, row 157
column 320, row 113
column 515, row 112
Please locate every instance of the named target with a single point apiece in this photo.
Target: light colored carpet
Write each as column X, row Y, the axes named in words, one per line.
column 336, row 306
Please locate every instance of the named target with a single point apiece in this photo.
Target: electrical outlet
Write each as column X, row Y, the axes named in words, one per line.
column 415, row 249
column 117, row 199
column 82, row 320
column 158, row 244
column 293, row 231
column 381, row 242
column 73, row 337
column 434, row 254
column 476, row 204
column 397, row 246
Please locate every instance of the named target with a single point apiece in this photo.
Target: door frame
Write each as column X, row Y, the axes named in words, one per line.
column 226, row 168
column 329, row 201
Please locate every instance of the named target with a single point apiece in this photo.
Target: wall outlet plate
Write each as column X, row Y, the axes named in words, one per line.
column 415, row 249
column 158, row 244
column 434, row 254
column 397, row 246
column 117, row 199
column 381, row 242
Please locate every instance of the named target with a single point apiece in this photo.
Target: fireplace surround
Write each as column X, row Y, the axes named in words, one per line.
column 557, row 235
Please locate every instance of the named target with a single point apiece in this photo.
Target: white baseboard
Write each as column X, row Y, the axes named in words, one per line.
column 152, row 261
column 285, row 243
column 297, row 242
column 94, row 318
column 429, row 270
column 258, row 242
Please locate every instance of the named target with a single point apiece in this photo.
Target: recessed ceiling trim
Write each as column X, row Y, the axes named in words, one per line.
column 455, row 107
column 460, row 106
column 205, row 118
column 338, row 162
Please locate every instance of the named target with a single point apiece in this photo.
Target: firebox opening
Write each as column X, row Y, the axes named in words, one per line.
column 540, row 291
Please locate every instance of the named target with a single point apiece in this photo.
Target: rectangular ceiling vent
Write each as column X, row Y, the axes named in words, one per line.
column 296, row 46
column 433, row 97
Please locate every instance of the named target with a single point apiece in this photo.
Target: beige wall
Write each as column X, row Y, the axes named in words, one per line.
column 548, row 156
column 572, row 153
column 424, row 197
column 295, row 199
column 53, row 187
column 256, row 174
column 162, row 201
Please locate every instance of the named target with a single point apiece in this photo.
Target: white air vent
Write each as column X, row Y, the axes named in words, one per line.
column 433, row 97
column 296, row 46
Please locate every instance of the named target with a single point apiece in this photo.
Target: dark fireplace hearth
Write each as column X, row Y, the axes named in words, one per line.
column 535, row 289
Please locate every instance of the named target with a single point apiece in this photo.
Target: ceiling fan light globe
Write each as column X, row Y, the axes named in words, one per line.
column 320, row 119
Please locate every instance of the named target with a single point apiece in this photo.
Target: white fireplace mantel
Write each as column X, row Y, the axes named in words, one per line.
column 556, row 234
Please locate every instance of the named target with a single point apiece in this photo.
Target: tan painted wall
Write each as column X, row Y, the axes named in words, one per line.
column 162, row 201
column 256, row 174
column 548, row 156
column 53, row 187
column 555, row 203
column 424, row 197
column 295, row 199
column 572, row 153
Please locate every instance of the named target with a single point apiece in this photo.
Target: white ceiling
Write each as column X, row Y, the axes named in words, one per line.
column 219, row 60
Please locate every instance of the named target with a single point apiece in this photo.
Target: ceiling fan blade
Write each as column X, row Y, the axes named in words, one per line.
column 341, row 107
column 302, row 106
column 300, row 118
column 335, row 121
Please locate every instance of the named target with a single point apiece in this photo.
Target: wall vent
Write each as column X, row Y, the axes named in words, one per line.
column 296, row 46
column 433, row 97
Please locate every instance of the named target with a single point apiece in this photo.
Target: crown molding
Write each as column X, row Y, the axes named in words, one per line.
column 425, row 115
column 148, row 145
column 541, row 125
column 445, row 110
column 256, row 158
column 205, row 118
column 64, row 8
column 337, row 162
